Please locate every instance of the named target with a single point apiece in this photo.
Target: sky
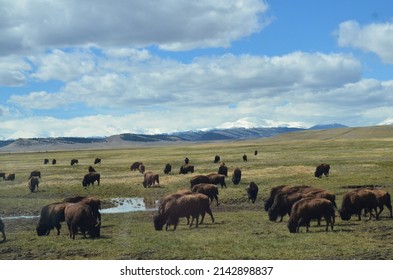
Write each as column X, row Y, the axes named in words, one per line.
column 99, row 68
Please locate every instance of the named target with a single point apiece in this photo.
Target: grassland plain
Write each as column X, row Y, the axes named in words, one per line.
column 241, row 231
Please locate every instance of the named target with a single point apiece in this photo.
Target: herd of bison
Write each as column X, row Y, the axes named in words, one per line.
column 301, row 203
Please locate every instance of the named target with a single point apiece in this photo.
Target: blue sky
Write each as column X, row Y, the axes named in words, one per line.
column 98, row 68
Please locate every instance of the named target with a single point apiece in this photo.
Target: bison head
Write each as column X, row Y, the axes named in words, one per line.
column 159, row 222
column 345, row 215
column 42, row 230
column 273, row 215
column 292, row 226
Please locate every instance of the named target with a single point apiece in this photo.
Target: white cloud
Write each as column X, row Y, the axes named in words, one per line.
column 13, row 71
column 374, row 37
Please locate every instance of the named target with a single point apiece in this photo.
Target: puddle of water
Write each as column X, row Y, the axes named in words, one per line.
column 128, row 204
column 19, row 217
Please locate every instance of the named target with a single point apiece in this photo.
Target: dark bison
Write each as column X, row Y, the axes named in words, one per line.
column 51, row 216
column 97, row 161
column 46, row 161
column 9, row 177
column 135, row 166
column 91, row 169
column 252, row 192
column 33, row 183
column 191, row 205
column 306, row 209
column 236, row 176
column 184, row 169
column 198, row 179
column 210, row 190
column 90, row 178
column 244, row 157
column 216, row 179
column 186, row 160
column 2, row 175
column 322, row 169
column 355, row 201
column 222, row 169
column 53, row 161
column 35, row 173
column 167, row 168
column 255, row 152
column 383, row 199
column 142, row 168
column 216, row 159
column 150, row 179
column 74, row 161
column 80, row 216
column 273, row 192
column 2, row 230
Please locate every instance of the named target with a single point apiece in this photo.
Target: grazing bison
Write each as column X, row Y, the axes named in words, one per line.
column 46, row 161
column 93, row 202
column 2, row 230
column 91, row 169
column 216, row 159
column 223, row 170
column 150, row 179
column 306, row 209
column 198, row 179
column 142, row 168
column 74, row 161
column 273, row 192
column 216, row 179
column 164, row 200
column 210, row 190
column 191, row 205
column 80, row 216
column 383, row 199
column 2, row 175
column 186, row 160
column 90, row 178
column 255, row 152
column 184, row 169
column 236, row 176
column 51, row 216
column 167, row 169
column 244, row 157
column 355, row 201
column 53, row 161
column 97, row 161
column 322, row 169
column 33, row 183
column 252, row 192
column 10, row 177
column 135, row 166
column 35, row 173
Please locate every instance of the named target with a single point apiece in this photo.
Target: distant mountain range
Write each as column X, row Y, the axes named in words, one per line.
column 237, row 133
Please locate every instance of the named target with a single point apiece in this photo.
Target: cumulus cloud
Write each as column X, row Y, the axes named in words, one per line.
column 177, row 25
column 13, row 71
column 374, row 37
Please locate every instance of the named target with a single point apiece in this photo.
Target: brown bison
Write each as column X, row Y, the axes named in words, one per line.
column 164, row 200
column 210, row 190
column 186, row 160
column 35, row 173
column 10, row 177
column 216, row 179
column 355, row 201
column 33, row 183
column 167, row 169
column 306, row 209
column 273, row 192
column 90, row 178
column 150, row 179
column 91, row 169
column 236, row 176
column 135, row 166
column 141, row 168
column 252, row 192
column 198, row 179
column 216, row 158
column 244, row 157
column 93, row 202
column 322, row 169
column 97, row 161
column 184, row 169
column 74, row 161
column 223, row 170
column 51, row 216
column 2, row 230
column 80, row 216
column 191, row 205
column 383, row 199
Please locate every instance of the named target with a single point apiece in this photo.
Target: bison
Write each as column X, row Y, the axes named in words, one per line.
column 46, row 161
column 167, row 169
column 322, row 169
column 252, row 192
column 306, row 209
column 198, row 179
column 53, row 161
column 223, row 170
column 150, row 179
column 210, row 190
column 91, row 169
column 191, row 205
column 97, row 161
column 33, row 183
column 93, row 202
column 80, row 216
column 236, row 176
column 383, row 199
column 273, row 192
column 35, row 173
column 9, row 177
column 90, row 178
column 2, row 230
column 51, row 216
column 216, row 158
column 164, row 200
column 244, row 157
column 2, row 175
column 142, row 168
column 184, row 169
column 355, row 201
column 186, row 160
column 135, row 165
column 216, row 179
column 74, row 161
column 255, row 152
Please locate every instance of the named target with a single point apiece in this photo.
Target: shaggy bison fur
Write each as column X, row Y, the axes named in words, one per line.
column 150, row 179
column 167, row 169
column 236, row 176
column 223, row 169
column 90, row 178
column 187, row 168
column 51, row 216
column 210, row 190
column 252, row 192
column 322, row 169
column 199, row 179
column 135, row 166
column 217, row 179
column 80, row 216
column 33, row 183
column 355, row 201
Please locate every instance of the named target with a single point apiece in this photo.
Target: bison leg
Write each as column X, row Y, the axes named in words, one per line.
column 3, row 233
column 216, row 198
column 209, row 211
column 58, row 227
